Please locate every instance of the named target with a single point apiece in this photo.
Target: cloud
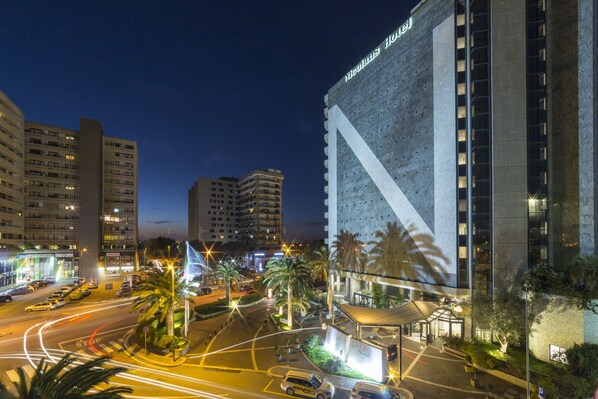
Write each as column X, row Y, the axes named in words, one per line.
column 165, row 221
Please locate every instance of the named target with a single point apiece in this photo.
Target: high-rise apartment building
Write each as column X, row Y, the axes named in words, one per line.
column 260, row 209
column 213, row 209
column 11, row 187
column 472, row 129
column 78, row 201
column 248, row 210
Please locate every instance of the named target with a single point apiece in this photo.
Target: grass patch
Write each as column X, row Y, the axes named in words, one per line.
column 211, row 308
column 251, row 298
column 281, row 320
column 331, row 364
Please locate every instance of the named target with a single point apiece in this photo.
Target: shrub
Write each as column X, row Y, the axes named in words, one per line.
column 209, row 308
column 163, row 342
column 313, row 340
column 332, row 365
column 454, row 342
column 251, row 298
column 483, row 359
column 583, row 361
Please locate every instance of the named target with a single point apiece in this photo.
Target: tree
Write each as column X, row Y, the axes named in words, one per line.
column 583, row 362
column 323, row 264
column 379, row 296
column 504, row 314
column 348, row 251
column 581, row 283
column 63, row 380
column 402, row 252
column 227, row 271
column 290, row 274
column 155, row 296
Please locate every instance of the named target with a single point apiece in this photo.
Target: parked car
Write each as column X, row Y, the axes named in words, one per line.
column 306, row 384
column 66, row 289
column 55, row 297
column 40, row 306
column 204, row 291
column 5, row 298
column 58, row 302
column 79, row 294
column 40, row 283
column 61, row 293
column 370, row 390
column 20, row 290
column 92, row 285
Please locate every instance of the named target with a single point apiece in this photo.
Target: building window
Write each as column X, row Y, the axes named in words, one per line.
column 462, row 229
column 462, row 135
column 462, row 182
column 460, row 42
column 462, row 252
column 461, row 66
column 461, row 89
column 462, row 158
column 460, row 19
column 70, row 157
column 461, row 112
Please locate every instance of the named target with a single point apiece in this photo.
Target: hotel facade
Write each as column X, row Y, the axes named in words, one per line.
column 74, row 201
column 472, row 130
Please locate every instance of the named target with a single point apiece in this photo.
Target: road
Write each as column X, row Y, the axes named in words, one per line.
column 227, row 364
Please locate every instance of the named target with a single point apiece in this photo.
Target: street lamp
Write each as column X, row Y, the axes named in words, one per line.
column 80, row 272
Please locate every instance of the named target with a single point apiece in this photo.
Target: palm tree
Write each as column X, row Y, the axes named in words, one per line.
column 63, row 381
column 227, row 271
column 323, row 264
column 156, row 296
column 402, row 252
column 348, row 251
column 298, row 302
column 290, row 274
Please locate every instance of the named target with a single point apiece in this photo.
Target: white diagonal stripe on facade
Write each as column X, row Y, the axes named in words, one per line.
column 394, row 196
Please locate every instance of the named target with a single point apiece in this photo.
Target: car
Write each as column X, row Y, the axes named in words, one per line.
column 76, row 295
column 204, row 291
column 55, row 297
column 40, row 283
column 40, row 306
column 92, row 285
column 61, row 293
column 5, row 298
column 246, row 288
column 67, row 289
column 369, row 390
column 306, row 384
column 20, row 290
column 58, row 302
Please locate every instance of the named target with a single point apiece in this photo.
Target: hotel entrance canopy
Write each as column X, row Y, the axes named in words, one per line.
column 411, row 312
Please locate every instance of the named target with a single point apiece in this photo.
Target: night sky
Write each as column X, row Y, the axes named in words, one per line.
column 207, row 88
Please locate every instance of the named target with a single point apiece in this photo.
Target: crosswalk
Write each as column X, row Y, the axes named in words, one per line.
column 109, row 348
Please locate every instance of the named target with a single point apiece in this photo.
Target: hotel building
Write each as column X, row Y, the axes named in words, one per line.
column 79, row 203
column 472, row 127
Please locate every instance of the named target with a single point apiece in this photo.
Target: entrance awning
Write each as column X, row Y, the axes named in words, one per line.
column 410, row 312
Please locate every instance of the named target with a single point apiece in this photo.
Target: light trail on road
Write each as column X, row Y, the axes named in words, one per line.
column 52, row 354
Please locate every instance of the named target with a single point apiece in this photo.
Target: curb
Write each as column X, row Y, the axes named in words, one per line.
column 134, row 352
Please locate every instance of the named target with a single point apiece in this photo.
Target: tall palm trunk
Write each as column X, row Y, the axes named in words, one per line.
column 170, row 322
column 227, row 290
column 330, row 290
column 290, row 305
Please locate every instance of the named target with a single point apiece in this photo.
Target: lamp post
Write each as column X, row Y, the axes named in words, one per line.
column 172, row 306
column 526, row 286
column 208, row 253
column 80, row 272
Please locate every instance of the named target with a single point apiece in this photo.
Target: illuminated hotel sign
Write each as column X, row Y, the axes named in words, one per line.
column 389, row 41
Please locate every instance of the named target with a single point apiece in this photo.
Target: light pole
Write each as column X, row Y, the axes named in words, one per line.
column 80, row 271
column 526, row 286
column 208, row 253
column 172, row 306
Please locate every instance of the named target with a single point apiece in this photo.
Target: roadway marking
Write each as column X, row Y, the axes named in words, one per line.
column 106, row 348
column 84, row 338
column 447, row 387
column 14, row 376
column 413, row 363
column 253, row 360
column 275, row 393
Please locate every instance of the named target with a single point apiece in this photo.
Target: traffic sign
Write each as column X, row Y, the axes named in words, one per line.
column 145, row 329
column 541, row 393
